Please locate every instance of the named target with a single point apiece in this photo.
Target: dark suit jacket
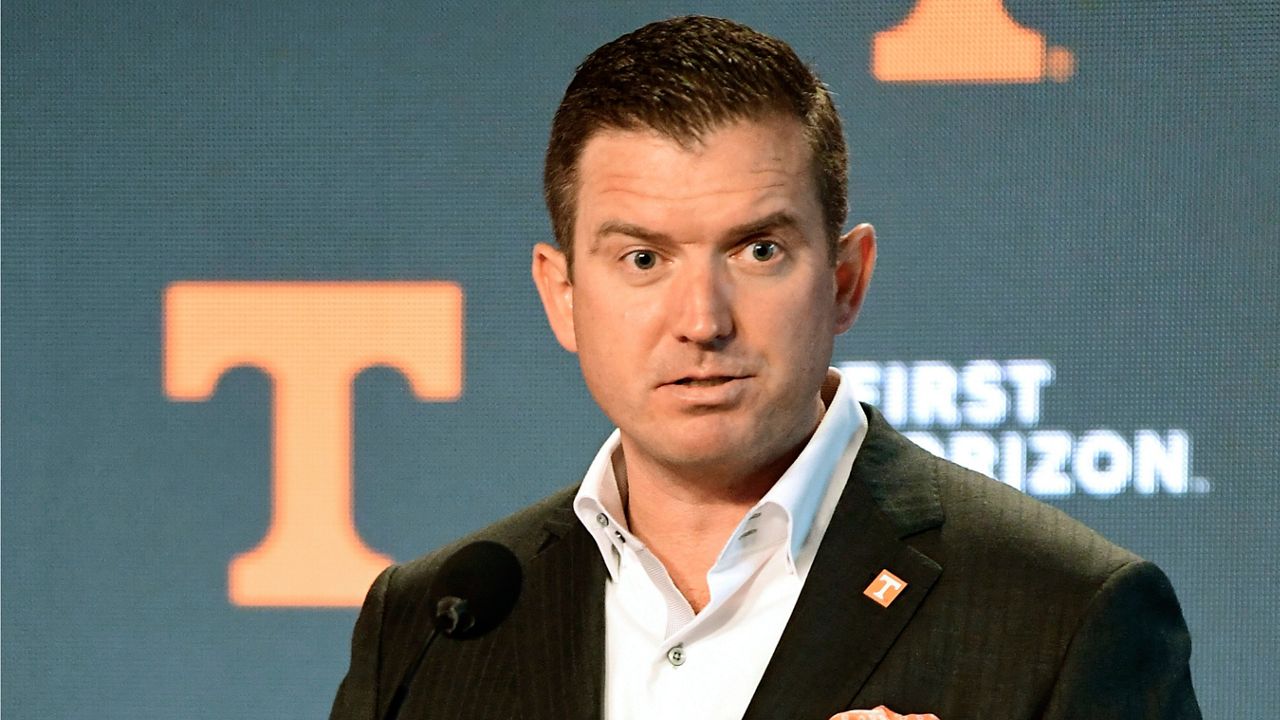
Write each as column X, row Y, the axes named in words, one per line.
column 1011, row 610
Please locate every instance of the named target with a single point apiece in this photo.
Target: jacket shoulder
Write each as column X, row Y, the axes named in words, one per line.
column 1007, row 532
column 523, row 532
column 969, row 522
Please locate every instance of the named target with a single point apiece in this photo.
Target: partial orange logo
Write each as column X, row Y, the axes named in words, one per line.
column 966, row 41
column 311, row 338
column 885, row 588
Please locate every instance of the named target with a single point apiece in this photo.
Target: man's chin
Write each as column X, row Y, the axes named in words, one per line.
column 704, row 453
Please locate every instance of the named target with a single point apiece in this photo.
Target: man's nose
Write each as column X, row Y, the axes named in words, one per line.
column 702, row 306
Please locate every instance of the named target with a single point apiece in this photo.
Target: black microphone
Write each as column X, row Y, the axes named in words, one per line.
column 475, row 589
column 472, row 593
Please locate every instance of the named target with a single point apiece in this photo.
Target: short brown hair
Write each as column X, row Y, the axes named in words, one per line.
column 684, row 77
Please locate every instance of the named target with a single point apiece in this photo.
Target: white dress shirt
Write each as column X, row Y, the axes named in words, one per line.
column 662, row 660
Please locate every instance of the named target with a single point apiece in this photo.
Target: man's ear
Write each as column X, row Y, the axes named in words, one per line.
column 855, row 260
column 550, row 269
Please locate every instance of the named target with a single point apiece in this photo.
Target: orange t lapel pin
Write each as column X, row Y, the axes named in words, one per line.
column 885, row 588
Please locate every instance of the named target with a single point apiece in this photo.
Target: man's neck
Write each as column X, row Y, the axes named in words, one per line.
column 685, row 522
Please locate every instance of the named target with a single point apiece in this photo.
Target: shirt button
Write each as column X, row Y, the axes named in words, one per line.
column 604, row 521
column 676, row 655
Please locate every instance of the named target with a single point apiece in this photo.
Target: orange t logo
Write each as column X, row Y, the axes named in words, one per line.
column 965, row 41
column 311, row 338
column 885, row 588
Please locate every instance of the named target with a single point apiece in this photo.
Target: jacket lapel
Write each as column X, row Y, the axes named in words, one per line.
column 560, row 645
column 836, row 636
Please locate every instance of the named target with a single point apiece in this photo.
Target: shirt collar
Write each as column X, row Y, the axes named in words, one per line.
column 804, row 496
column 598, row 504
column 820, row 471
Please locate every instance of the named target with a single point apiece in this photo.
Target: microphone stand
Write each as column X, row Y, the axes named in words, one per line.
column 451, row 617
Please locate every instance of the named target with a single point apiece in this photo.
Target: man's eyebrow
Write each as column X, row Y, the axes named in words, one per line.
column 618, row 227
column 772, row 221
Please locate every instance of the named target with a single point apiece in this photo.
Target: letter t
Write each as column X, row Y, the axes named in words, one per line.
column 311, row 338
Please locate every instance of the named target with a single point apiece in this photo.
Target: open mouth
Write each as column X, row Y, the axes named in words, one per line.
column 704, row 382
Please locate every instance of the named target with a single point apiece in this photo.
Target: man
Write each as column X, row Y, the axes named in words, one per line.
column 751, row 542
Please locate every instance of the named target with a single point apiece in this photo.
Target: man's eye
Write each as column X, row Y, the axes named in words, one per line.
column 644, row 259
column 763, row 250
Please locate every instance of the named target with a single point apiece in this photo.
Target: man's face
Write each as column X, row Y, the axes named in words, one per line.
column 704, row 303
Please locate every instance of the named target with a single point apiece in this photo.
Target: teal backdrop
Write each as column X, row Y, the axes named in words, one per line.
column 1077, row 291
